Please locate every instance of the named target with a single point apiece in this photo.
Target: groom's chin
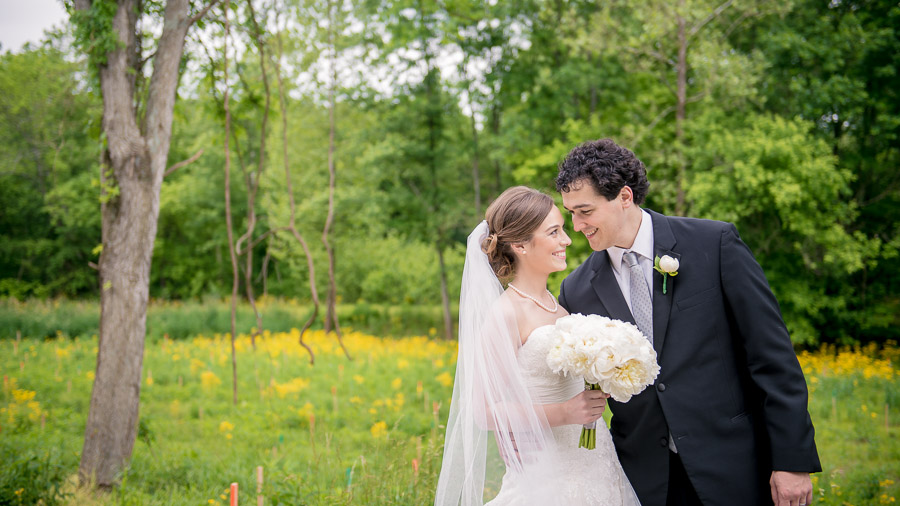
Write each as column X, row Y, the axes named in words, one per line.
column 596, row 245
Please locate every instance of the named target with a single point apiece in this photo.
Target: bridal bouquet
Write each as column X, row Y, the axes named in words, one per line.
column 611, row 355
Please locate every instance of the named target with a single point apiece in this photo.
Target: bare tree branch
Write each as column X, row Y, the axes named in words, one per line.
column 182, row 163
column 269, row 232
column 696, row 98
column 202, row 12
column 737, row 22
column 649, row 128
column 653, row 54
column 713, row 15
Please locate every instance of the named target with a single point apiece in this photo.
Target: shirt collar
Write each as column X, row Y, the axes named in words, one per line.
column 643, row 243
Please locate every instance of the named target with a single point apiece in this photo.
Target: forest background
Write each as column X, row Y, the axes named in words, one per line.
column 380, row 132
column 782, row 117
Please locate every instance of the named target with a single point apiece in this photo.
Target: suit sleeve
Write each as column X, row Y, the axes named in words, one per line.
column 562, row 295
column 771, row 360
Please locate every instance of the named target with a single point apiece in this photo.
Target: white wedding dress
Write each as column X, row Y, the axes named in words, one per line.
column 586, row 477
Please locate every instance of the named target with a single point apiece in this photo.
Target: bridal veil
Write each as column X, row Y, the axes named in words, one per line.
column 495, row 425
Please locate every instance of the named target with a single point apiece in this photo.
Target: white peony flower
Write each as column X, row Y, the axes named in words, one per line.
column 610, row 353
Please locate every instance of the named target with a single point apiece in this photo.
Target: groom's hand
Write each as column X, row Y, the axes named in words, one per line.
column 791, row 489
column 586, row 407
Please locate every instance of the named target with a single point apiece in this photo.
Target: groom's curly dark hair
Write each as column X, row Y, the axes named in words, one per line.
column 607, row 166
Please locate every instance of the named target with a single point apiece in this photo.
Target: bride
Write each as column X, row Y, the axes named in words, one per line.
column 503, row 386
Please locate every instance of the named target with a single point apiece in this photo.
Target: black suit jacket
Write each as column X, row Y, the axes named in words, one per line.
column 730, row 388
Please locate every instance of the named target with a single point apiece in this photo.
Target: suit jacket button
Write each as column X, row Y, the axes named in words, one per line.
column 663, row 441
column 661, row 387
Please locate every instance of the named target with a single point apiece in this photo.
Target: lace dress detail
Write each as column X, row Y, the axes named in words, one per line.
column 587, row 477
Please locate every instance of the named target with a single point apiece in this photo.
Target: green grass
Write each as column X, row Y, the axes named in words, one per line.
column 193, row 442
column 182, row 319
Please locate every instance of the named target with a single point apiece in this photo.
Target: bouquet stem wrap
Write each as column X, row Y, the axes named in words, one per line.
column 589, row 432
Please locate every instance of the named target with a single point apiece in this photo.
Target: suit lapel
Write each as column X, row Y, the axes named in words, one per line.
column 663, row 242
column 607, row 289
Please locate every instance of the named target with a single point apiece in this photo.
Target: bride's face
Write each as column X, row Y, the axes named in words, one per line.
column 546, row 251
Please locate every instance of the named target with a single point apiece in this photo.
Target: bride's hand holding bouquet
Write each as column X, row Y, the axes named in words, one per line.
column 611, row 355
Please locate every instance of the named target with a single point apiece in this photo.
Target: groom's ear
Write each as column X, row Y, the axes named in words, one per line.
column 627, row 196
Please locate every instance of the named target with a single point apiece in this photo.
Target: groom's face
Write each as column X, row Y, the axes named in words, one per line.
column 600, row 220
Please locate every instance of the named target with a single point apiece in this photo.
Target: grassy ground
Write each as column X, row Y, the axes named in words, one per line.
column 185, row 319
column 366, row 431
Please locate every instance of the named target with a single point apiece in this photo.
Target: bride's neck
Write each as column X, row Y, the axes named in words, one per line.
column 532, row 284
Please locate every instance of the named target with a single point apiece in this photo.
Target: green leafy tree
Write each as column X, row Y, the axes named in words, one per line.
column 835, row 65
column 48, row 155
column 788, row 197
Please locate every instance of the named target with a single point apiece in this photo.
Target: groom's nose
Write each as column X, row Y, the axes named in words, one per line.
column 577, row 223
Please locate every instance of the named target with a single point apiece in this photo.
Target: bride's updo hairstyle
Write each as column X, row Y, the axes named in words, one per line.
column 512, row 219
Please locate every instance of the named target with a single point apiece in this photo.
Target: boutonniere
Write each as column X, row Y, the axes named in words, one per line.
column 667, row 266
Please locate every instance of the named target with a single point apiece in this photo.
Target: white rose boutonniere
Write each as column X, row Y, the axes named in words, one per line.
column 667, row 266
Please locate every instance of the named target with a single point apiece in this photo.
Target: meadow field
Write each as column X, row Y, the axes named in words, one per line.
column 362, row 431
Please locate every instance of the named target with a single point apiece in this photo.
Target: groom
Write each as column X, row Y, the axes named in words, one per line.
column 726, row 421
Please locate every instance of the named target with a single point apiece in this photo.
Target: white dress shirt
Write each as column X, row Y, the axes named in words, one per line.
column 643, row 247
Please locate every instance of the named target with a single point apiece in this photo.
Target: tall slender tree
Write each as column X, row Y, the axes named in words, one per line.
column 137, row 147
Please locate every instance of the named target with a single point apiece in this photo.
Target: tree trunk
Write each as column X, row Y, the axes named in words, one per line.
column 282, row 101
column 235, row 275
column 476, row 175
column 495, row 129
column 331, row 319
column 129, row 220
column 445, row 295
column 253, row 179
column 681, row 100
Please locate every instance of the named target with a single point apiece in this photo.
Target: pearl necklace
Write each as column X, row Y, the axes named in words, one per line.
column 541, row 305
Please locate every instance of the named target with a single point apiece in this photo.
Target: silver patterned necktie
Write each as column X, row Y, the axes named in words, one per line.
column 641, row 305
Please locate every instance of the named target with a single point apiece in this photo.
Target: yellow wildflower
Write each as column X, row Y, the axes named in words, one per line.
column 307, row 411
column 23, row 396
column 209, row 379
column 197, row 365
column 379, row 429
column 445, row 379
column 291, row 387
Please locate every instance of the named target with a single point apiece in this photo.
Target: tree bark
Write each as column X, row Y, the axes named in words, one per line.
column 129, row 219
column 232, row 250
column 445, row 295
column 331, row 318
column 253, row 179
column 476, row 173
column 681, row 101
column 314, row 293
